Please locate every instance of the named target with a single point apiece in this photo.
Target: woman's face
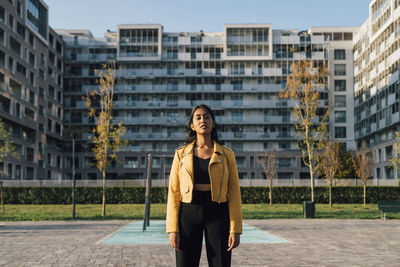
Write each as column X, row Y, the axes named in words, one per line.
column 202, row 122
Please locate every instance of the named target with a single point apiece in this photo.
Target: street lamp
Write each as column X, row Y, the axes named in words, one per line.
column 73, row 176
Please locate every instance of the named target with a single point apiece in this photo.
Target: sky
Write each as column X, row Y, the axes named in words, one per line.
column 98, row 16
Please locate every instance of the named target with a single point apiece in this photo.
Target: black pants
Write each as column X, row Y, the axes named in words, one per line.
column 197, row 217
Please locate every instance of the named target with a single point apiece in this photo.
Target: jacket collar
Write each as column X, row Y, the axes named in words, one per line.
column 189, row 149
column 187, row 156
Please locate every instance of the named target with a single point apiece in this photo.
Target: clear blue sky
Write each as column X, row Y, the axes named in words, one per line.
column 208, row 15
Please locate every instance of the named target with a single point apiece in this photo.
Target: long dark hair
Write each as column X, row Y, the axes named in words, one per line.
column 191, row 135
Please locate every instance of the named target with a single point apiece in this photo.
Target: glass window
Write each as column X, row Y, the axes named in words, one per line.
column 340, row 69
column 285, row 175
column 340, row 132
column 2, row 34
column 340, row 116
column 340, row 85
column 340, row 54
column 2, row 14
column 11, row 21
column 337, row 36
column 15, row 46
column 348, row 36
column 21, row 30
column 237, row 116
column 340, row 100
column 131, row 162
column 286, row 162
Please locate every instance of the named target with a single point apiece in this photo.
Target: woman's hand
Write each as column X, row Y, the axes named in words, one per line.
column 234, row 241
column 174, row 240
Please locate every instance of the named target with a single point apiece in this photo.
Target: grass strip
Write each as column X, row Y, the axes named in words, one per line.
column 136, row 212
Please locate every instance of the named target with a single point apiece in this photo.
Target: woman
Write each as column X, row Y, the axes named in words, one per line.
column 203, row 195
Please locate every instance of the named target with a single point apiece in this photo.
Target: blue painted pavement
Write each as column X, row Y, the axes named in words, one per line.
column 155, row 234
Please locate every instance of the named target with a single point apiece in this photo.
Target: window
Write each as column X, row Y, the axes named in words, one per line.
column 41, row 92
column 241, row 161
column 21, row 30
column 29, row 113
column 32, row 59
column 337, row 36
column 21, row 69
column 2, row 59
column 11, row 21
column 340, row 116
column 237, row 146
column 286, row 162
column 41, row 74
column 42, row 59
column 11, row 64
column 31, row 40
column 340, row 100
column 131, row 162
column 2, row 34
column 15, row 46
column 284, row 145
column 340, row 54
column 19, row 8
column 30, row 154
column 340, row 85
column 340, row 69
column 340, row 132
column 2, row 14
column 389, row 173
column 30, row 173
column 2, row 83
column 285, row 175
column 348, row 36
column 237, row 116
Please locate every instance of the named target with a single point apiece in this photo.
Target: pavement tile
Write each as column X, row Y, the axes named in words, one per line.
column 313, row 242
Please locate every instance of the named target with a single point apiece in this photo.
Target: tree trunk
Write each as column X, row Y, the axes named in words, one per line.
column 312, row 182
column 270, row 192
column 365, row 193
column 330, row 194
column 103, row 213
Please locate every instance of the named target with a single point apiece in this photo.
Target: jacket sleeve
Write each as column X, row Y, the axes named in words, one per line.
column 235, row 200
column 174, row 195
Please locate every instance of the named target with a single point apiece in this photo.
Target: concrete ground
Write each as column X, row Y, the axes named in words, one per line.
column 314, row 242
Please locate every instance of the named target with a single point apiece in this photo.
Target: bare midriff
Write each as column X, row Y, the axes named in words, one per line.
column 202, row 187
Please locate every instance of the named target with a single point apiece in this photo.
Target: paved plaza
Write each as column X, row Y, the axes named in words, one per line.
column 312, row 242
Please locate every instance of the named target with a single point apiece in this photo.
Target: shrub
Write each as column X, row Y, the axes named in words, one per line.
column 250, row 195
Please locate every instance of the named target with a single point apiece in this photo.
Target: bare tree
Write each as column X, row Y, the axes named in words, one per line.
column 364, row 166
column 107, row 135
column 268, row 161
column 303, row 86
column 329, row 162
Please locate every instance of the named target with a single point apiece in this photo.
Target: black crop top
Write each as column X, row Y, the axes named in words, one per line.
column 200, row 167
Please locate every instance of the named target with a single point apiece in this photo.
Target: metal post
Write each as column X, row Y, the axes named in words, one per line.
column 146, row 221
column 1, row 195
column 165, row 181
column 73, row 177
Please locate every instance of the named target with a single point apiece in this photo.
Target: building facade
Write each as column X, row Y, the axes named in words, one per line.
column 238, row 72
column 31, row 97
column 377, row 85
column 44, row 75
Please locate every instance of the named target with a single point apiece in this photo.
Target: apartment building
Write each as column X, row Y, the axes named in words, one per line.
column 377, row 85
column 238, row 72
column 31, row 97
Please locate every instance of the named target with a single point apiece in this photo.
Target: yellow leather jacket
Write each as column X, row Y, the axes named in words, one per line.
column 224, row 182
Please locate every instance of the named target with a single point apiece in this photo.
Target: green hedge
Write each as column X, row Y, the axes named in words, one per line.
column 250, row 195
